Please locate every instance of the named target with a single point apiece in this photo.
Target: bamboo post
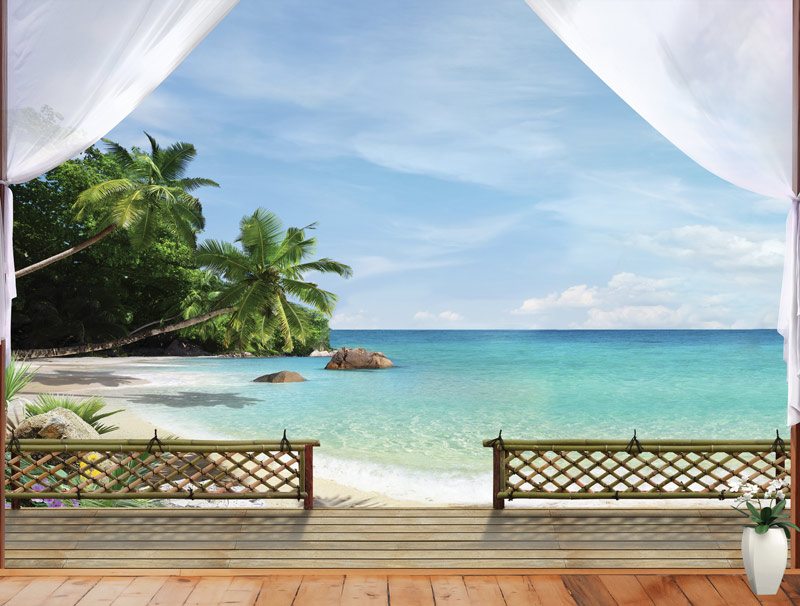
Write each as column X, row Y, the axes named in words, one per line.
column 498, row 454
column 308, row 456
column 794, row 491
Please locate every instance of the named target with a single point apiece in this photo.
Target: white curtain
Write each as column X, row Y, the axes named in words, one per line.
column 715, row 78
column 75, row 69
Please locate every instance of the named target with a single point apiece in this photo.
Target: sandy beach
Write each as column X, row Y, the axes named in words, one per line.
column 85, row 377
column 106, row 377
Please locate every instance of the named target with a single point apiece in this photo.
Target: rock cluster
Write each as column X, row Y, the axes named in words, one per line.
column 358, row 358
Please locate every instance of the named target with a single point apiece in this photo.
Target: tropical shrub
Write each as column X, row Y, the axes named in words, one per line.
column 89, row 409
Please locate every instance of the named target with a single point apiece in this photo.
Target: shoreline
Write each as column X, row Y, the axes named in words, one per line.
column 105, row 377
column 74, row 377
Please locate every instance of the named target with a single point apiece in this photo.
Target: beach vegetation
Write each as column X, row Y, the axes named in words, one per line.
column 144, row 282
column 151, row 188
column 18, row 377
column 264, row 292
column 91, row 410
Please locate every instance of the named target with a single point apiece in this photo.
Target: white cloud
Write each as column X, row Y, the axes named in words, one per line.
column 451, row 316
column 716, row 247
column 423, row 315
column 628, row 301
column 647, row 316
column 575, row 296
column 622, row 288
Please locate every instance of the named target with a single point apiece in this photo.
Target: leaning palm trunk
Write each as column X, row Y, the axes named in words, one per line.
column 67, row 253
column 29, row 354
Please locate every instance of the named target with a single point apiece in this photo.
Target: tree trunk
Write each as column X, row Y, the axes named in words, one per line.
column 30, row 354
column 67, row 253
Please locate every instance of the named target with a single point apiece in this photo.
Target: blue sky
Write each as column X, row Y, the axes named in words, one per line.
column 473, row 172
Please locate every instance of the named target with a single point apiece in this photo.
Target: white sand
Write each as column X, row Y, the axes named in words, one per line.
column 84, row 377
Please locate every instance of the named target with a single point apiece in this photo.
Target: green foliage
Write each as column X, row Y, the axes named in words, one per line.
column 152, row 190
column 103, row 292
column 262, row 281
column 89, row 409
column 18, row 376
column 146, row 273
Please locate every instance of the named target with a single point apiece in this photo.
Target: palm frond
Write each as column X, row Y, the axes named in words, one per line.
column 127, row 209
column 102, row 194
column 143, row 227
column 154, row 148
column 121, row 155
column 294, row 248
column 193, row 183
column 174, row 160
column 18, row 376
column 225, row 259
column 88, row 409
column 254, row 299
column 260, row 234
column 146, row 167
column 310, row 294
column 186, row 219
column 283, row 324
column 325, row 266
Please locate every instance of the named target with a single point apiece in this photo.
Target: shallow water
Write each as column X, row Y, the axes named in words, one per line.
column 416, row 430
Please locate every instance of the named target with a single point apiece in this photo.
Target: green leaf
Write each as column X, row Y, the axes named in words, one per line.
column 779, row 507
column 762, row 529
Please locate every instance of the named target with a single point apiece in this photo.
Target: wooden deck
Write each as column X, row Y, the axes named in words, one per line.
column 445, row 538
column 397, row 590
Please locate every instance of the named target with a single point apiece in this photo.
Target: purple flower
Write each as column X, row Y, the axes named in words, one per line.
column 38, row 487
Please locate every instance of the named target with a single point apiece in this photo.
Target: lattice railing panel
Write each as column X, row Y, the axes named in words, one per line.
column 653, row 469
column 166, row 469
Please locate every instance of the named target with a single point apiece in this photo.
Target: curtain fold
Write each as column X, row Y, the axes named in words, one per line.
column 714, row 77
column 74, row 70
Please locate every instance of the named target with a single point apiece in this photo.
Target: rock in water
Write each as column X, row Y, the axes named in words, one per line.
column 284, row 376
column 56, row 424
column 359, row 358
column 320, row 353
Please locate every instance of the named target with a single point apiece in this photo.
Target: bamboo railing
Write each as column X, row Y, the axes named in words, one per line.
column 159, row 469
column 598, row 469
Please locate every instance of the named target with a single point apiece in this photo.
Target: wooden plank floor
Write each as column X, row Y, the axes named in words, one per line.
column 397, row 590
column 442, row 538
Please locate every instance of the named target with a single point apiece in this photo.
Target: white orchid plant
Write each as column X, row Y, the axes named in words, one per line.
column 765, row 512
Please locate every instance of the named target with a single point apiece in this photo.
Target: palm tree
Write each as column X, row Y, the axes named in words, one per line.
column 263, row 279
column 154, row 188
column 263, row 288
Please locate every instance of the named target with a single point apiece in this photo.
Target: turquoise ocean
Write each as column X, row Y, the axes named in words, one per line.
column 415, row 430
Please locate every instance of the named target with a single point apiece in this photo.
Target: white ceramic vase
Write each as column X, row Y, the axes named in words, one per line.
column 764, row 558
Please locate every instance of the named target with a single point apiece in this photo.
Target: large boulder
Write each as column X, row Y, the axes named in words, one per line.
column 358, row 358
column 320, row 353
column 57, row 424
column 284, row 376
